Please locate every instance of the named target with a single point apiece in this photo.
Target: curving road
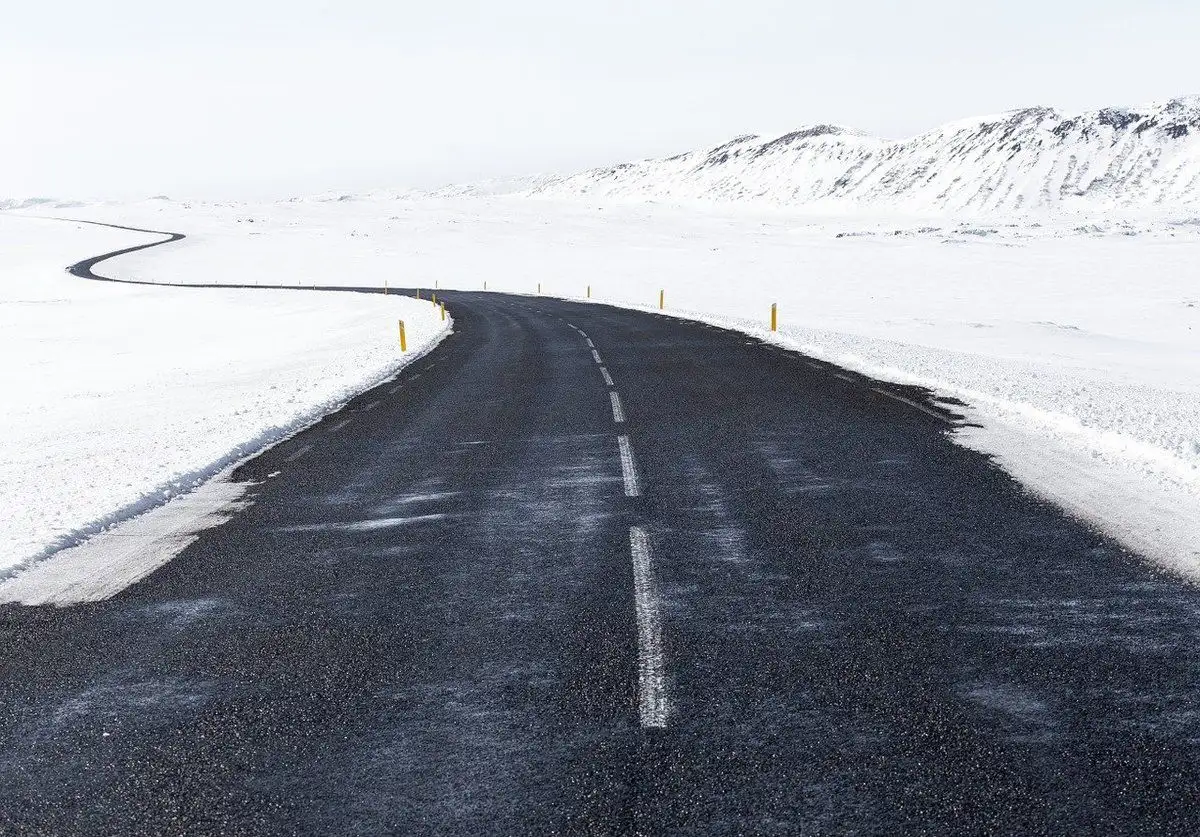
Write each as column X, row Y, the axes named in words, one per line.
column 85, row 268
column 589, row 570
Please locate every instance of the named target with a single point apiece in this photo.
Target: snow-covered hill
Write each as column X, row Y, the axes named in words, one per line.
column 21, row 204
column 1032, row 159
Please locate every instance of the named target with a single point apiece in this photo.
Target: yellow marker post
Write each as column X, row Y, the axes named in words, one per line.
column 434, row 298
column 403, row 341
column 443, row 306
column 418, row 293
column 662, row 298
column 774, row 316
column 385, row 286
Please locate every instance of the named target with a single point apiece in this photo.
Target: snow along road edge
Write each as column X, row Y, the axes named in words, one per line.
column 160, row 524
column 1156, row 522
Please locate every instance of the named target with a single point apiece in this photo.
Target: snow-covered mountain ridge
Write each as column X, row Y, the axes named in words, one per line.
column 1031, row 159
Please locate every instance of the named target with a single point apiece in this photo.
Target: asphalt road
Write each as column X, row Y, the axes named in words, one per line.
column 786, row 603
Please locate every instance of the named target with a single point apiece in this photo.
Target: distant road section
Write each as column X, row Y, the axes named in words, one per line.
column 85, row 268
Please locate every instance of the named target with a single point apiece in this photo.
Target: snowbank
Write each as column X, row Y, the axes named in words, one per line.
column 1079, row 338
column 117, row 397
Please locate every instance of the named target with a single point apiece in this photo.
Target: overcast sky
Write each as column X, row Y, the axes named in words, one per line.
column 259, row 98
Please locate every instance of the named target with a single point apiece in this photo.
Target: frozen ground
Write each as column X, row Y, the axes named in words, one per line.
column 1076, row 341
column 115, row 397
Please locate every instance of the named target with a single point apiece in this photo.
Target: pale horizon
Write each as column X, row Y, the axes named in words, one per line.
column 280, row 99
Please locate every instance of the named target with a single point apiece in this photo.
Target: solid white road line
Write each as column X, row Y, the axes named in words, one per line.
column 652, row 687
column 399, row 387
column 607, row 377
column 913, row 404
column 618, row 411
column 596, row 356
column 590, row 344
column 845, row 378
column 339, row 426
column 628, row 468
column 299, row 453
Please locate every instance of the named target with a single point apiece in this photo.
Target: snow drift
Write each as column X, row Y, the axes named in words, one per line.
column 1032, row 159
column 118, row 397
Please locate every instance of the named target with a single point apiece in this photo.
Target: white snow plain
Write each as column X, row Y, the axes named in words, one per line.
column 117, row 397
column 1074, row 340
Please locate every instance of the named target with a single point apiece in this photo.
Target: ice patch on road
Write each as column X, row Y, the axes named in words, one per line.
column 101, row 702
column 883, row 552
column 424, row 498
column 723, row 533
column 366, row 525
column 794, row 476
column 178, row 614
column 1015, row 706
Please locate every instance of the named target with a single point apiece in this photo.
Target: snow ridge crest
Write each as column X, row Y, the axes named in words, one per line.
column 1029, row 159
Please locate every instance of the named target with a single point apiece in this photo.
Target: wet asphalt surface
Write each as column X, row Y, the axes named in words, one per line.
column 425, row 623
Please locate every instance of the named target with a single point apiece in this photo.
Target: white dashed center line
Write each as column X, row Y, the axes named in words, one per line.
column 339, row 426
column 299, row 453
column 652, row 688
column 628, row 468
column 370, row 406
column 618, row 411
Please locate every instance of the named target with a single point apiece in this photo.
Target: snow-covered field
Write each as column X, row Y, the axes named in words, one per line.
column 1075, row 340
column 116, row 397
